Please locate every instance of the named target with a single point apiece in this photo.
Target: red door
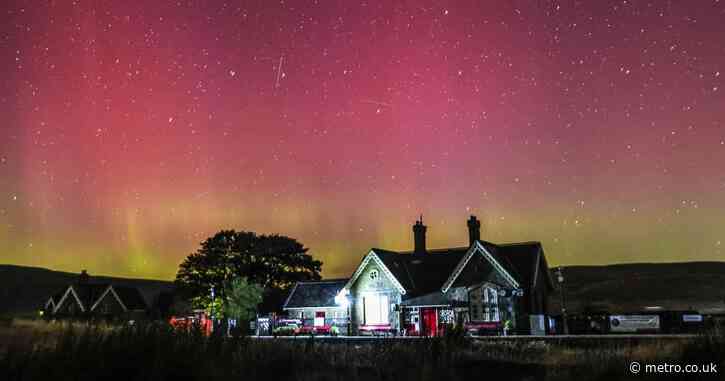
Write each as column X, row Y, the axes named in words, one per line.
column 430, row 321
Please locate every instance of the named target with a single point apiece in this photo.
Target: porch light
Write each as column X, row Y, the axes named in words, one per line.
column 341, row 299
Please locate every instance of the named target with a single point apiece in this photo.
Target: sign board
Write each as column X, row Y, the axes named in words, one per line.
column 692, row 318
column 634, row 323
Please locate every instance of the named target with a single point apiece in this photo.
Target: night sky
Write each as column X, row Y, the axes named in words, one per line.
column 132, row 130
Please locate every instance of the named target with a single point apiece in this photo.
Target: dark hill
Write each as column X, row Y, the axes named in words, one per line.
column 632, row 287
column 24, row 290
column 614, row 288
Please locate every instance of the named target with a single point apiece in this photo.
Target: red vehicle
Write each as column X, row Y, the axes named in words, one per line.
column 196, row 318
column 483, row 328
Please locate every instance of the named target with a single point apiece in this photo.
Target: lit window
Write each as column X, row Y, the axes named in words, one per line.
column 376, row 309
column 490, row 303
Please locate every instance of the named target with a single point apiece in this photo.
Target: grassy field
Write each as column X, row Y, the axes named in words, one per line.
column 42, row 351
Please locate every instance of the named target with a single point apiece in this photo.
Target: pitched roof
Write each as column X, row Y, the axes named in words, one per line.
column 421, row 274
column 315, row 293
column 130, row 297
column 88, row 293
column 522, row 260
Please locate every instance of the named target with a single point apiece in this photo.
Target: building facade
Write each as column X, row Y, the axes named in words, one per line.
column 484, row 287
column 89, row 300
column 315, row 304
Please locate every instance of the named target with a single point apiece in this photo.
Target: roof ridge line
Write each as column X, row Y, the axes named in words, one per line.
column 518, row 243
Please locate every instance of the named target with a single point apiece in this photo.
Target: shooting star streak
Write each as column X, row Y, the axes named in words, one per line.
column 376, row 103
column 279, row 71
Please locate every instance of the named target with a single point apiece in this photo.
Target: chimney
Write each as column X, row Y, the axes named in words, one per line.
column 84, row 277
column 474, row 230
column 419, row 236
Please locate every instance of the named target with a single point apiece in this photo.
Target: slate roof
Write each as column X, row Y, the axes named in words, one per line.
column 521, row 260
column 58, row 295
column 90, row 293
column 87, row 293
column 422, row 274
column 315, row 293
column 131, row 297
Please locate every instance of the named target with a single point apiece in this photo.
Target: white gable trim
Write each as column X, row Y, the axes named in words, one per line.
column 50, row 302
column 113, row 292
column 371, row 256
column 286, row 301
column 478, row 248
column 536, row 268
column 70, row 290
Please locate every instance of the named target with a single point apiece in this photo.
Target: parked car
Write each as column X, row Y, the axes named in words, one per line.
column 483, row 328
column 287, row 327
column 196, row 318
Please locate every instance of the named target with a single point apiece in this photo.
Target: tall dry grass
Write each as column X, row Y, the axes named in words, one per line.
column 40, row 351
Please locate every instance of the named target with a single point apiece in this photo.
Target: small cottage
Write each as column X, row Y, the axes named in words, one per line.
column 317, row 306
column 86, row 299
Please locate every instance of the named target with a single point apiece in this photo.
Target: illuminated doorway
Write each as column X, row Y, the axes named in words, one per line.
column 376, row 309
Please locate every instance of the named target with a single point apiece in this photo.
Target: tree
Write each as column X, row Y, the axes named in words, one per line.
column 273, row 262
column 241, row 300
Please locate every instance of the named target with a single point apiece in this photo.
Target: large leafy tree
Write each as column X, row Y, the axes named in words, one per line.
column 241, row 300
column 273, row 262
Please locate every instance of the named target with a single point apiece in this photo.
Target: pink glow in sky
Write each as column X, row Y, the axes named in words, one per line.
column 133, row 130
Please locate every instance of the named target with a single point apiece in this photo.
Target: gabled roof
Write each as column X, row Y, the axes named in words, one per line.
column 55, row 298
column 314, row 294
column 421, row 274
column 374, row 257
column 418, row 275
column 90, row 294
column 69, row 296
column 130, row 297
column 523, row 260
column 487, row 250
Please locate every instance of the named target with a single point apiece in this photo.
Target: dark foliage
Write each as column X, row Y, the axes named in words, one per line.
column 272, row 261
column 158, row 352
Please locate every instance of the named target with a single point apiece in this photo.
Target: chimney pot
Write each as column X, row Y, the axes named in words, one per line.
column 83, row 278
column 419, row 236
column 474, row 230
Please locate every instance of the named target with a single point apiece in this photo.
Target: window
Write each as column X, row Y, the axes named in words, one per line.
column 319, row 318
column 375, row 309
column 490, row 304
column 373, row 274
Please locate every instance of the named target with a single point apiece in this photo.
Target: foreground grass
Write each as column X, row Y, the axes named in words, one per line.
column 42, row 351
